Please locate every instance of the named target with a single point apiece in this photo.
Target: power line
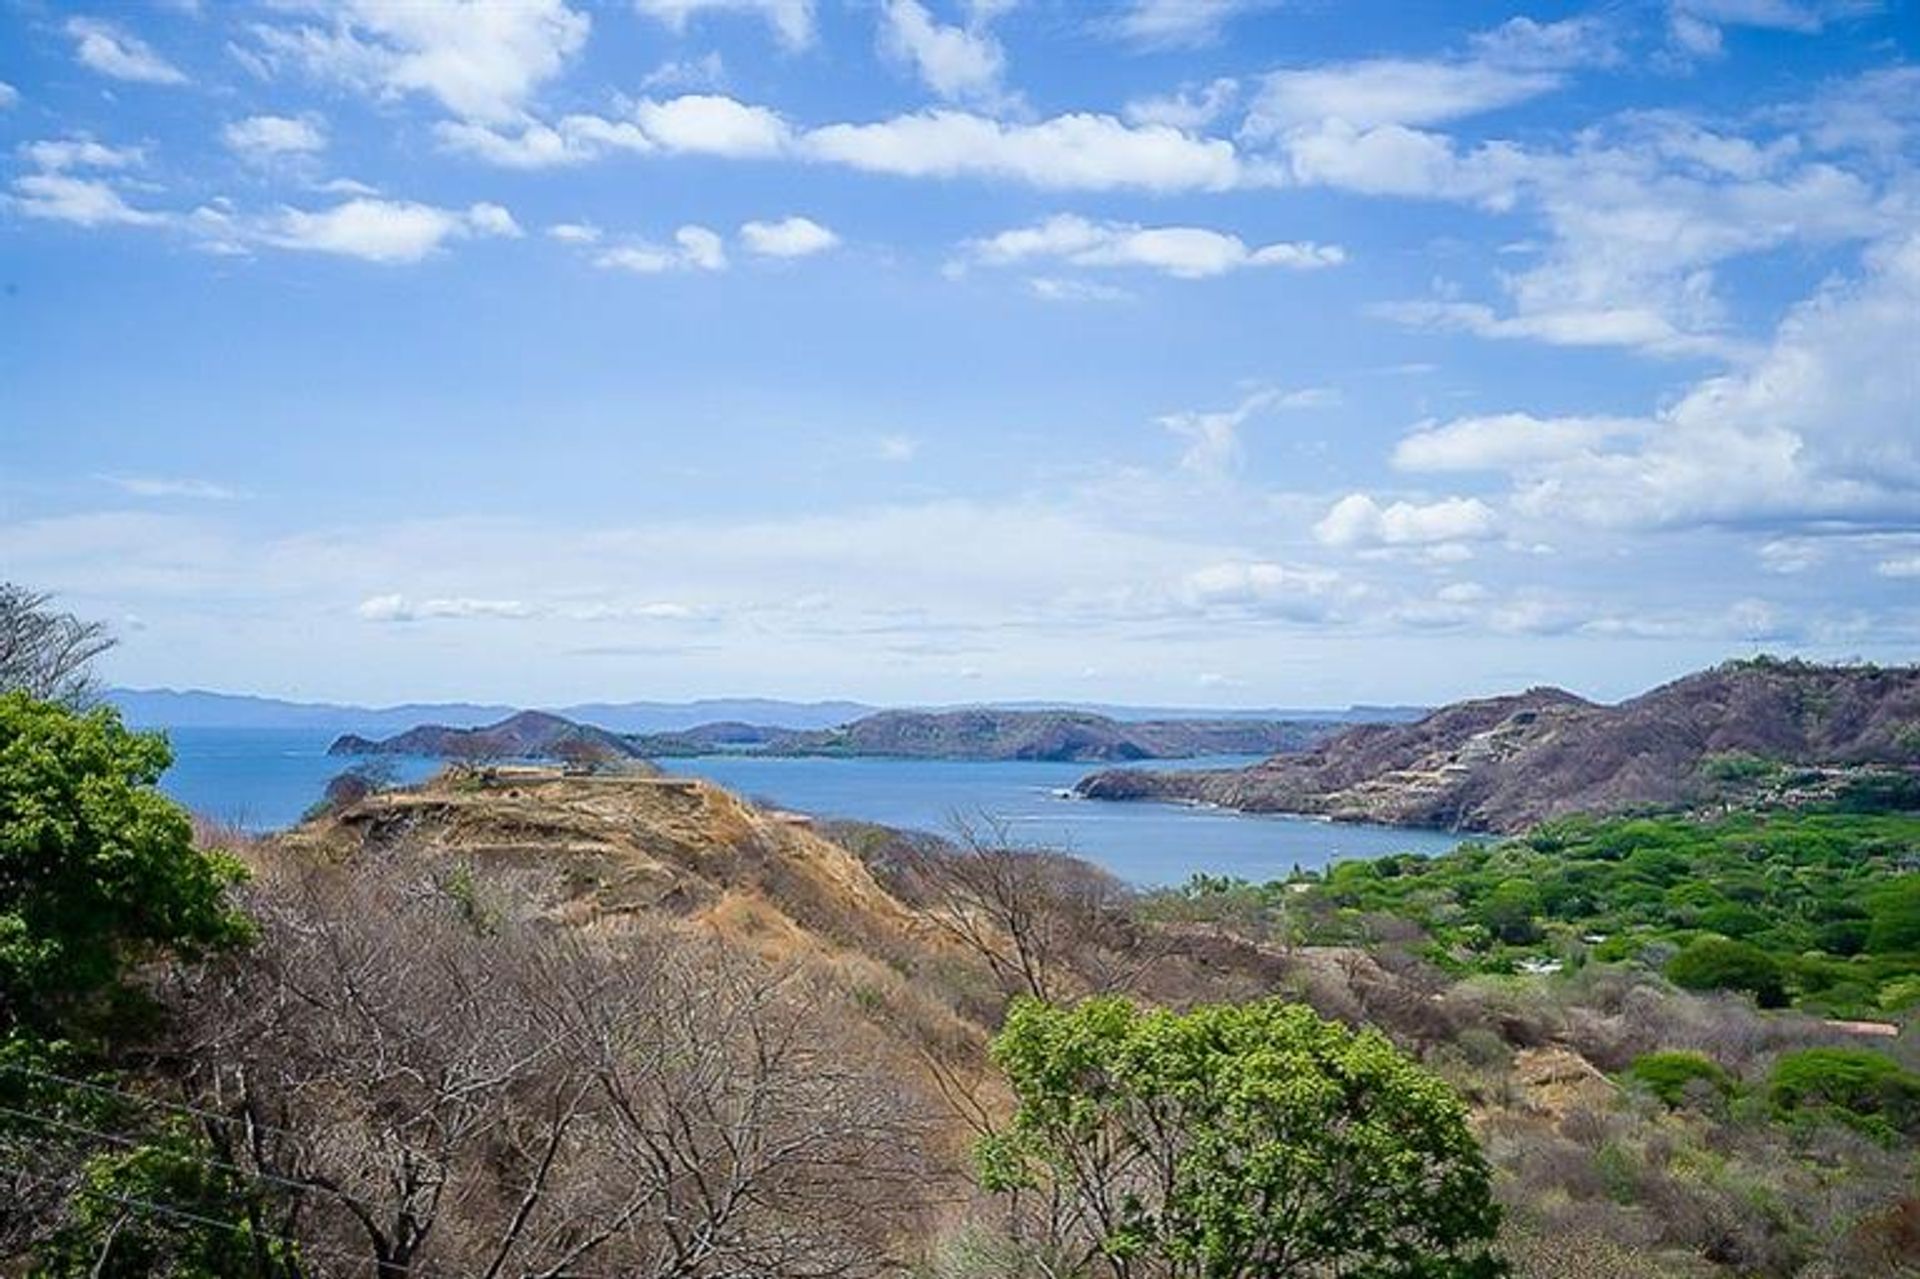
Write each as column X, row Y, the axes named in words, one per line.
column 360, row 1260
column 141, row 1098
column 206, row 1161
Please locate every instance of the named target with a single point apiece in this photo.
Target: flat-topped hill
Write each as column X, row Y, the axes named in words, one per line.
column 1506, row 763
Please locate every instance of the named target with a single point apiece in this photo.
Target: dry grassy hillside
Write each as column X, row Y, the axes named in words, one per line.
column 910, row 952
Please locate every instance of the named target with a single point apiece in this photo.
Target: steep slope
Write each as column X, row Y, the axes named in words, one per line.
column 1505, row 763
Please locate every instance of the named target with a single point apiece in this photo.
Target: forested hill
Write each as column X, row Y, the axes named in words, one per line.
column 527, row 735
column 967, row 734
column 1057, row 735
column 1745, row 730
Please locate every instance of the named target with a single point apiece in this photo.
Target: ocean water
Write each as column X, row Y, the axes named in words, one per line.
column 263, row 779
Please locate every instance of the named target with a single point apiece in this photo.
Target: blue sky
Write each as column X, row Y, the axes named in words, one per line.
column 1173, row 351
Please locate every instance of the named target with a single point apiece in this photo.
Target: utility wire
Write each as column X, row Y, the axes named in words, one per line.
column 361, row 1260
column 206, row 1161
column 141, row 1098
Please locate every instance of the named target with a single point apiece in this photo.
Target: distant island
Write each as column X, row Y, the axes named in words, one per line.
column 964, row 734
column 1764, row 728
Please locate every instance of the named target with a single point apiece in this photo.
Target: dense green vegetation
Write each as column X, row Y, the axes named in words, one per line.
column 1237, row 1140
column 1817, row 909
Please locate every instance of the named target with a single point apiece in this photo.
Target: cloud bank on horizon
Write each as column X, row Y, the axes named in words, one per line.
column 1165, row 350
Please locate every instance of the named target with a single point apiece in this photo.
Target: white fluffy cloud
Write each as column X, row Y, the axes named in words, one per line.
column 1506, row 441
column 1357, row 520
column 1079, row 151
column 88, row 202
column 1803, row 433
column 480, row 60
column 712, row 124
column 691, row 124
column 791, row 19
column 1184, row 252
column 573, row 139
column 955, row 62
column 114, row 51
column 262, row 138
column 694, row 248
column 1301, row 592
column 1188, row 109
column 9, row 95
column 793, row 237
column 57, row 155
column 374, row 230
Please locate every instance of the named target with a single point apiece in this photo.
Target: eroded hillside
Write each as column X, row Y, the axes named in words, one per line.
column 1746, row 730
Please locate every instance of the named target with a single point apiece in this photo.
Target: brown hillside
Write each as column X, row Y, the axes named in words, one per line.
column 1506, row 763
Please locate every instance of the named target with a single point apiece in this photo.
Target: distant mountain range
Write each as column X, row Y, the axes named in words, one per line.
column 1786, row 730
column 964, row 734
column 195, row 708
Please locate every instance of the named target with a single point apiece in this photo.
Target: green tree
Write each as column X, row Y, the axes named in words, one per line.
column 1670, row 1076
column 98, row 870
column 1235, row 1141
column 1720, row 963
column 1865, row 1089
column 1894, row 917
column 1511, row 912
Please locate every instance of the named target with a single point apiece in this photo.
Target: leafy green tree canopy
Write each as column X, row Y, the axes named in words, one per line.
column 1237, row 1140
column 1720, row 963
column 97, row 868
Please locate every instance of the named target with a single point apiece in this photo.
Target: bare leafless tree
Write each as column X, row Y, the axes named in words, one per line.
column 526, row 1101
column 1047, row 924
column 46, row 653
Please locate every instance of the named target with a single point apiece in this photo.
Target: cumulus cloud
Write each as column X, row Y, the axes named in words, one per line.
column 9, row 95
column 114, row 51
column 1800, row 434
column 373, row 230
column 793, row 237
column 1506, row 441
column 955, row 62
column 264, row 138
column 1296, row 591
column 1080, row 151
column 694, row 248
column 792, row 20
column 1357, row 520
column 481, row 61
column 1188, row 109
column 87, row 202
column 1184, row 252
column 571, row 140
column 713, row 124
column 56, row 155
